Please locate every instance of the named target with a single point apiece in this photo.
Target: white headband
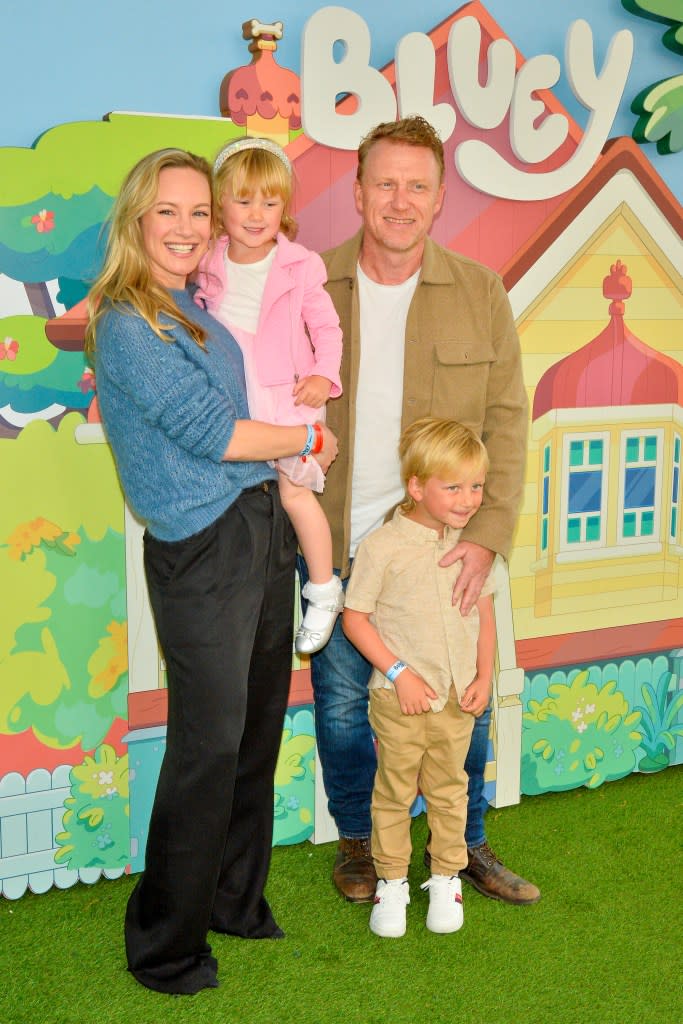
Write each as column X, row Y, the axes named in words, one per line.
column 239, row 145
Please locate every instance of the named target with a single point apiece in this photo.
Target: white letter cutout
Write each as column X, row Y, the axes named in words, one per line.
column 415, row 77
column 323, row 79
column 482, row 106
column 483, row 168
column 531, row 143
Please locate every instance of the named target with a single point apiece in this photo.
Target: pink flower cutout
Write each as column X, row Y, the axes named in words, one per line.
column 8, row 349
column 44, row 221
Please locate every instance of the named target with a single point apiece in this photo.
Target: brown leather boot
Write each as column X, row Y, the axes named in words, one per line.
column 491, row 878
column 354, row 873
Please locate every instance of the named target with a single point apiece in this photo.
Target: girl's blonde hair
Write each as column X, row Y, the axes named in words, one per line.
column 438, row 447
column 249, row 169
column 126, row 277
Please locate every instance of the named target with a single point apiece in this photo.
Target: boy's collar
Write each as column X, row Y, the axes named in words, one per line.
column 425, row 533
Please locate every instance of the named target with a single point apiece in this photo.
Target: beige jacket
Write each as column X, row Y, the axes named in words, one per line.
column 462, row 361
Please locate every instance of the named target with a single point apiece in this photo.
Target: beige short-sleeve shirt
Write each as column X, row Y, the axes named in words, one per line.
column 396, row 578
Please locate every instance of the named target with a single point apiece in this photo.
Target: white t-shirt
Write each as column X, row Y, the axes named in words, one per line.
column 376, row 482
column 241, row 301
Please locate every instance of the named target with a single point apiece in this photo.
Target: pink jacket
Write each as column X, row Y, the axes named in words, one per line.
column 298, row 331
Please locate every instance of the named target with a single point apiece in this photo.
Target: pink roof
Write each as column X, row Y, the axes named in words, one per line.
column 620, row 154
column 615, row 369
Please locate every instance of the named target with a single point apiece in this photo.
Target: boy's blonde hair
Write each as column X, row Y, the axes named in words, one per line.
column 438, row 447
column 247, row 170
column 126, row 277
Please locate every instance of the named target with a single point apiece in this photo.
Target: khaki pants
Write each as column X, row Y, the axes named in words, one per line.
column 428, row 750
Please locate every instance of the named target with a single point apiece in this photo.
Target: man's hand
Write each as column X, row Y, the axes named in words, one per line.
column 313, row 391
column 476, row 565
column 413, row 692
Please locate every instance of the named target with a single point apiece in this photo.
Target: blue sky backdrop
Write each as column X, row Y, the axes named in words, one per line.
column 76, row 60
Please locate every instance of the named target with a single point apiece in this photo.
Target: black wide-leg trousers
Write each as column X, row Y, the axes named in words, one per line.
column 223, row 606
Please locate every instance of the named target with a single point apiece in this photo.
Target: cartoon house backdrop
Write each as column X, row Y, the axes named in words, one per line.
column 590, row 630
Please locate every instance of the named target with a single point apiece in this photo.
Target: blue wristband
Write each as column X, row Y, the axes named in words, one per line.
column 310, row 441
column 395, row 670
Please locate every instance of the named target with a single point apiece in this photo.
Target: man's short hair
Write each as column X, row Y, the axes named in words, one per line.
column 412, row 131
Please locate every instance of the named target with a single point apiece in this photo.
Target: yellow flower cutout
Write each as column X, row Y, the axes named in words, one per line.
column 109, row 661
column 40, row 532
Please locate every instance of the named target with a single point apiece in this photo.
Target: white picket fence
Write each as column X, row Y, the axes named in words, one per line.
column 31, row 812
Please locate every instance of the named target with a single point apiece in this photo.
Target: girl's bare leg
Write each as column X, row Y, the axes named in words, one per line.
column 323, row 590
column 311, row 527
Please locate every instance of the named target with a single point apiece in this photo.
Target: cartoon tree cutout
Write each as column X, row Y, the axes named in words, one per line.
column 660, row 105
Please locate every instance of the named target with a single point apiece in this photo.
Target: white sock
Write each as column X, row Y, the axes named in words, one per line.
column 320, row 593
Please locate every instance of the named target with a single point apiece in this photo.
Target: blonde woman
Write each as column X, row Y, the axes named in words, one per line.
column 219, row 561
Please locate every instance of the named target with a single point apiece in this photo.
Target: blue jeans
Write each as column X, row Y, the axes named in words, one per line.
column 340, row 677
column 475, row 765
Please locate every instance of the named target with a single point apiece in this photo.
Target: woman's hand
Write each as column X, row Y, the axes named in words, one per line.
column 328, row 453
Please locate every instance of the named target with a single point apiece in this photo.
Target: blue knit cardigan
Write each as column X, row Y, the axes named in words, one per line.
column 169, row 411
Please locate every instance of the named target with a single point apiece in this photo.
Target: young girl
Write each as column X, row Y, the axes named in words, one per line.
column 269, row 292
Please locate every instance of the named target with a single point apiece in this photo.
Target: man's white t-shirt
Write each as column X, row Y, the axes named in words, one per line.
column 376, row 481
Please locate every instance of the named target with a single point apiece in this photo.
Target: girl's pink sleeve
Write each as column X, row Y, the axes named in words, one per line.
column 322, row 321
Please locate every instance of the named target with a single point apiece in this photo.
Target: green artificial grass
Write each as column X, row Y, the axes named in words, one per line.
column 602, row 946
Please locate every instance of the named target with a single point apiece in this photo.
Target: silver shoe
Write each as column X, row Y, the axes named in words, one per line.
column 308, row 641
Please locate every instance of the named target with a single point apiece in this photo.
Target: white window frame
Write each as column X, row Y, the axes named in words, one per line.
column 592, row 545
column 640, row 433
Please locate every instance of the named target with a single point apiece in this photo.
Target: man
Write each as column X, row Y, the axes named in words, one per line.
column 426, row 332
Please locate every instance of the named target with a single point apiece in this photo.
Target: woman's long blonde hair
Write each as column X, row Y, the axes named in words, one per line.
column 126, row 277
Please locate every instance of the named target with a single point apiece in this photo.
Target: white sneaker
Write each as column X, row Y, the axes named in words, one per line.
column 445, row 903
column 325, row 601
column 388, row 917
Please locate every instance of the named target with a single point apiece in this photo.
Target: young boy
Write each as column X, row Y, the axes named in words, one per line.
column 433, row 667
